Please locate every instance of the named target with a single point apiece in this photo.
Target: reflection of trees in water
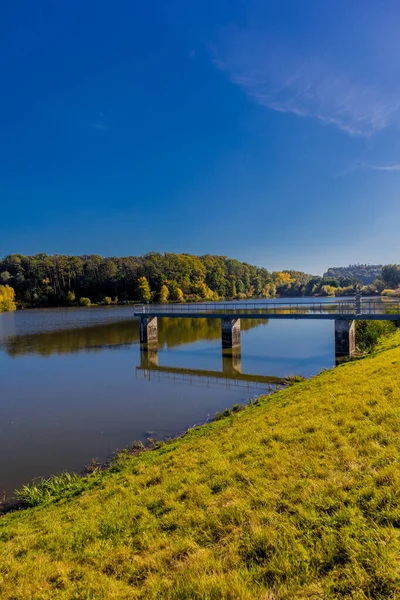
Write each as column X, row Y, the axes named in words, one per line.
column 72, row 340
column 171, row 332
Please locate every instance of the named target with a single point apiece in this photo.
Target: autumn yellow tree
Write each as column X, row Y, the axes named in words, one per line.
column 164, row 294
column 177, row 294
column 144, row 291
column 71, row 298
column 269, row 290
column 7, row 298
column 328, row 290
column 201, row 289
column 282, row 278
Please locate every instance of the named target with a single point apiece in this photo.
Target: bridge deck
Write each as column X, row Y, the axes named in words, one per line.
column 340, row 310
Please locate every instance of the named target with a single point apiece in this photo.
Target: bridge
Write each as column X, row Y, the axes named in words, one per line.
column 344, row 313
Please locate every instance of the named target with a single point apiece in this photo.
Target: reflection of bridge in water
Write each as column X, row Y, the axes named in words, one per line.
column 230, row 376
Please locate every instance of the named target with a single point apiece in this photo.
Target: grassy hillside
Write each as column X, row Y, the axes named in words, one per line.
column 297, row 496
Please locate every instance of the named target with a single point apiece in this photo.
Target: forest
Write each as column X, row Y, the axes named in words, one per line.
column 365, row 274
column 57, row 280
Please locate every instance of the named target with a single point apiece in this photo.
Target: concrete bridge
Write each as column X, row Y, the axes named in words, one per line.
column 344, row 313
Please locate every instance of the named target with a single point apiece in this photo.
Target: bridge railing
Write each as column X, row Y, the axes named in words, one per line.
column 339, row 307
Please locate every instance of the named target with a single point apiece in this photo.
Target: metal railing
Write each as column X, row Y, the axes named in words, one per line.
column 339, row 307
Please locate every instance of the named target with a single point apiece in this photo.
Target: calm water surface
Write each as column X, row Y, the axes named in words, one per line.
column 72, row 388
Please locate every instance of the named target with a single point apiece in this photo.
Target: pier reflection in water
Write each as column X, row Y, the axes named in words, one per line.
column 70, row 389
column 230, row 376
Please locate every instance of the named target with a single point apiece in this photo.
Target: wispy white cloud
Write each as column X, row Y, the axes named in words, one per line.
column 390, row 167
column 349, row 81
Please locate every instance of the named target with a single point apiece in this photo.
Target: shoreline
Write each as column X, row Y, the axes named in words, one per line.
column 139, row 447
column 220, row 300
column 297, row 485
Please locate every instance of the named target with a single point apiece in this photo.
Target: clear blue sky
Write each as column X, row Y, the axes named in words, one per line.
column 265, row 131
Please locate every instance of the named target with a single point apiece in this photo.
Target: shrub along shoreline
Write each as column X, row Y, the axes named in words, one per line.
column 296, row 496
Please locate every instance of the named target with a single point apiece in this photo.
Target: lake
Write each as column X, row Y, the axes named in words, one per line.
column 72, row 388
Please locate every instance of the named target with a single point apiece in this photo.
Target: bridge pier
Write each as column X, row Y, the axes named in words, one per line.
column 148, row 330
column 148, row 342
column 230, row 333
column 345, row 338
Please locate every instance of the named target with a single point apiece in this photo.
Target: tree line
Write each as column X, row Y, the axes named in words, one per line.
column 365, row 274
column 44, row 280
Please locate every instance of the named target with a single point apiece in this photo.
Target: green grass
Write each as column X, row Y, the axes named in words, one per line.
column 296, row 496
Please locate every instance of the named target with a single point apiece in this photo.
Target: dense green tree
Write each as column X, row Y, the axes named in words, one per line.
column 5, row 277
column 391, row 276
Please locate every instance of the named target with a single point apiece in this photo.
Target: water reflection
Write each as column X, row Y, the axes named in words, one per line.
column 172, row 332
column 231, row 373
column 76, row 386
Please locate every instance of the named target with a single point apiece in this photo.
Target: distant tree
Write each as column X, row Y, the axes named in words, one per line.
column 71, row 298
column 5, row 277
column 282, row 278
column 379, row 285
column 202, row 290
column 7, row 297
column 144, row 292
column 251, row 291
column 164, row 294
column 328, row 290
column 269, row 290
column 177, row 294
column 232, row 286
column 46, row 280
column 84, row 301
column 391, row 276
column 363, row 274
column 107, row 300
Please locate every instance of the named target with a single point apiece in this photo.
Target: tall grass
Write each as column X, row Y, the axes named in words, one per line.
column 60, row 486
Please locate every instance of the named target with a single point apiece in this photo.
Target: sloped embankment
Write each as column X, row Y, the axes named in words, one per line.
column 296, row 497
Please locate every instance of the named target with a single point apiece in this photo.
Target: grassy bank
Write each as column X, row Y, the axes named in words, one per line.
column 297, row 496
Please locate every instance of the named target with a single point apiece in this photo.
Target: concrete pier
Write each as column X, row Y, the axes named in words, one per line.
column 345, row 338
column 148, row 330
column 230, row 333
